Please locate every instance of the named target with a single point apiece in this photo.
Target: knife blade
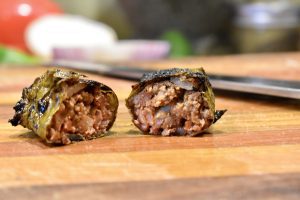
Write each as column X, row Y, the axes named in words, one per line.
column 254, row 85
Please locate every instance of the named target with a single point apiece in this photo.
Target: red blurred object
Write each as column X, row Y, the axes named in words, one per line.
column 15, row 15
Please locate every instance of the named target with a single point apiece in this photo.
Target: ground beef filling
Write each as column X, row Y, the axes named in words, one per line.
column 165, row 108
column 82, row 116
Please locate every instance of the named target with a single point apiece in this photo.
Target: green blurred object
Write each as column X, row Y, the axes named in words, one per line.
column 9, row 55
column 180, row 45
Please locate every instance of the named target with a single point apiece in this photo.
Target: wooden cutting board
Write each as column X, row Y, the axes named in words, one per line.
column 253, row 152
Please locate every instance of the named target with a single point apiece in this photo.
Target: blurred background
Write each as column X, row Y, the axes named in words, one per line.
column 34, row 31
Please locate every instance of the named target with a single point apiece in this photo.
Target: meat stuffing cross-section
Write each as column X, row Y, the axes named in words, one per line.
column 173, row 102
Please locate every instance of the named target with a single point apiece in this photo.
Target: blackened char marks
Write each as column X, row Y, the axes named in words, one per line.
column 163, row 74
column 19, row 107
column 42, row 105
column 219, row 114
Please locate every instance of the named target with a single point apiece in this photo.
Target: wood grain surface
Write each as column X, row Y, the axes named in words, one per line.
column 253, row 152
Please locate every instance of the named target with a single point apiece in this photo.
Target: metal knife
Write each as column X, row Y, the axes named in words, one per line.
column 254, row 85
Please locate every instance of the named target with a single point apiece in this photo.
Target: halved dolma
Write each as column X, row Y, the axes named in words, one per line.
column 173, row 102
column 61, row 107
